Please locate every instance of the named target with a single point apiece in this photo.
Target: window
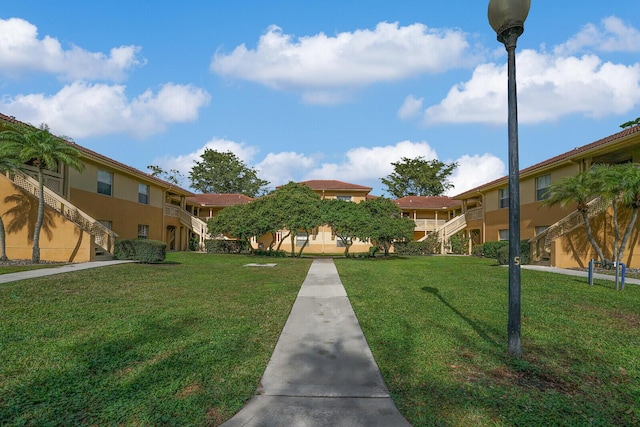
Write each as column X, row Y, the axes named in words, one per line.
column 107, row 224
column 345, row 198
column 105, row 183
column 542, row 187
column 503, row 197
column 143, row 231
column 301, row 238
column 541, row 228
column 504, row 234
column 143, row 194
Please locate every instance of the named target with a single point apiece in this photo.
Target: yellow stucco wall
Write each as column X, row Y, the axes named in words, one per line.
column 60, row 239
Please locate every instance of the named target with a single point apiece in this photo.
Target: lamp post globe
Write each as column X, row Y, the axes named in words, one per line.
column 507, row 18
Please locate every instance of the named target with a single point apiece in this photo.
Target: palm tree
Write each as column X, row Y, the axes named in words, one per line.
column 44, row 151
column 579, row 189
column 629, row 176
column 7, row 163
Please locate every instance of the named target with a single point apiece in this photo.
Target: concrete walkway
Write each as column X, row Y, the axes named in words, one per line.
column 577, row 273
column 41, row 272
column 322, row 372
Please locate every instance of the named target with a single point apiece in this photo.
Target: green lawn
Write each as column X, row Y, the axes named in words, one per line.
column 179, row 343
column 437, row 328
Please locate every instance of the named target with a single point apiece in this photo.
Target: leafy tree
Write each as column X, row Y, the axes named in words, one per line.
column 346, row 219
column 630, row 123
column 173, row 176
column 225, row 173
column 43, row 150
column 6, row 164
column 300, row 209
column 419, row 177
column 237, row 221
column 385, row 223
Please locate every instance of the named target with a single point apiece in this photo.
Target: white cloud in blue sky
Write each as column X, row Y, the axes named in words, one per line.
column 339, row 93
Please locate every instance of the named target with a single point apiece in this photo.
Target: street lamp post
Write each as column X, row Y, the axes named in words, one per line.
column 507, row 19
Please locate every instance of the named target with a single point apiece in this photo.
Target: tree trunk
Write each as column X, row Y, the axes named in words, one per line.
column 35, row 257
column 3, row 246
column 592, row 240
column 627, row 234
column 616, row 230
column 282, row 240
column 303, row 246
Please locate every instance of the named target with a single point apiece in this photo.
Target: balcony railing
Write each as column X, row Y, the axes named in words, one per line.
column 428, row 224
column 197, row 225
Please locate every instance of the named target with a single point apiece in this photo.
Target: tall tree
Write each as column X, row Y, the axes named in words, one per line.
column 419, row 177
column 8, row 162
column 218, row 172
column 38, row 147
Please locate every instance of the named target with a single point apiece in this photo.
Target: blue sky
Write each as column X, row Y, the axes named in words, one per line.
column 318, row 90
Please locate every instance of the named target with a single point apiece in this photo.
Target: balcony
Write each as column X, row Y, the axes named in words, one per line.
column 428, row 225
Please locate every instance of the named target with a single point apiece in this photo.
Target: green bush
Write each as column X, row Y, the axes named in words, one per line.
column 459, row 243
column 194, row 243
column 491, row 249
column 525, row 258
column 478, row 250
column 143, row 250
column 215, row 246
column 271, row 253
column 428, row 246
column 123, row 249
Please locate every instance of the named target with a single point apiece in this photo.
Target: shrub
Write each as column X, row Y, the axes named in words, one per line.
column 123, row 249
column 458, row 243
column 429, row 246
column 194, row 243
column 143, row 250
column 271, row 253
column 216, row 246
column 491, row 248
column 478, row 250
column 503, row 254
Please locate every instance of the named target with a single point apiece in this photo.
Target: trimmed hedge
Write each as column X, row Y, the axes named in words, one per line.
column 525, row 257
column 143, row 250
column 215, row 246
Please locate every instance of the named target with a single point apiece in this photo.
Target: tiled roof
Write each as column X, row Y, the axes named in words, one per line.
column 321, row 184
column 104, row 159
column 219, row 199
column 577, row 152
column 426, row 202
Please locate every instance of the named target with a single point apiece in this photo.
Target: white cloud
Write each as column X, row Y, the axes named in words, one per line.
column 349, row 60
column 22, row 51
column 371, row 163
column 280, row 168
column 473, row 171
column 613, row 35
column 81, row 109
column 549, row 87
column 410, row 108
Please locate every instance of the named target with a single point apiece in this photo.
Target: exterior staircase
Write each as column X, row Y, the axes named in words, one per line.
column 195, row 224
column 540, row 245
column 104, row 238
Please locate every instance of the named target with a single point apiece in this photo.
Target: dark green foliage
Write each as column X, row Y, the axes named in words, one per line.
column 143, row 250
column 459, row 244
column 123, row 249
column 419, row 177
column 216, row 246
column 428, row 246
column 491, row 248
column 193, row 243
column 225, row 173
column 503, row 254
column 477, row 250
column 385, row 224
column 269, row 253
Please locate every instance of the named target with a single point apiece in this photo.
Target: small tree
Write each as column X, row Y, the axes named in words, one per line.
column 419, row 177
column 385, row 224
column 346, row 219
column 173, row 176
column 225, row 173
column 236, row 221
column 44, row 151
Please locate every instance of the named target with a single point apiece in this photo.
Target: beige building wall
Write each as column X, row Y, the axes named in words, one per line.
column 60, row 239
